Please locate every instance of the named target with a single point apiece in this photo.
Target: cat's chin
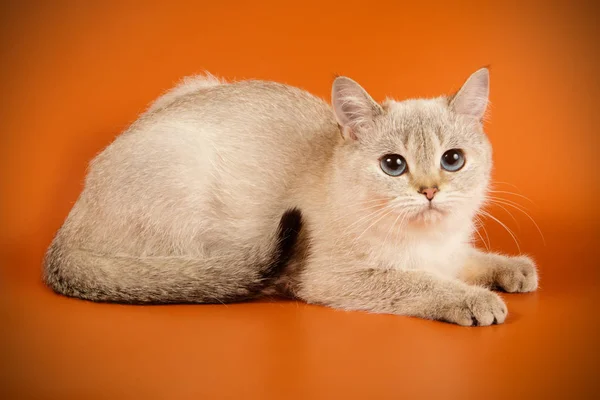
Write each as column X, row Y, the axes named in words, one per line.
column 428, row 215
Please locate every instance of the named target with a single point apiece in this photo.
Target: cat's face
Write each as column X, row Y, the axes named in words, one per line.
column 417, row 162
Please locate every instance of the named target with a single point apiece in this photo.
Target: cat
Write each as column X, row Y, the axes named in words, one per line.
column 227, row 191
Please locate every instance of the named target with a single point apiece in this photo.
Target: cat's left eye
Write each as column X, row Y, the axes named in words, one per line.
column 453, row 160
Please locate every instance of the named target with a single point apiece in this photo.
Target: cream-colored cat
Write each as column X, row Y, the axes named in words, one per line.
column 222, row 192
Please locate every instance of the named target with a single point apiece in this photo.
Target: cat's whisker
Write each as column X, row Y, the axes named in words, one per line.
column 506, row 201
column 504, row 183
column 376, row 216
column 487, row 236
column 388, row 233
column 365, row 217
column 366, row 202
column 394, row 203
column 454, row 197
column 508, row 212
column 398, row 229
column 510, row 232
column 373, row 224
column 481, row 225
column 403, row 222
column 371, row 207
column 372, row 203
column 482, row 241
column 512, row 193
column 399, row 203
column 393, row 227
column 501, row 201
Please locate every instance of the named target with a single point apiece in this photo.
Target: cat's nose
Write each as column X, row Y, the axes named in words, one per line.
column 429, row 192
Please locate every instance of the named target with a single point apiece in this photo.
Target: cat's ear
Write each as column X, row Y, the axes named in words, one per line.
column 472, row 99
column 354, row 109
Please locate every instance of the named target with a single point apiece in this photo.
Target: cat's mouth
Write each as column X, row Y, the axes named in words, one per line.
column 429, row 212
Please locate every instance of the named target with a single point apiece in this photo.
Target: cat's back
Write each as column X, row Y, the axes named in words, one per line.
column 260, row 127
column 211, row 120
column 204, row 149
column 240, row 107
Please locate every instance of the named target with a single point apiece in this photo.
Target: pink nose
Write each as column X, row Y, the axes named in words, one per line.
column 429, row 192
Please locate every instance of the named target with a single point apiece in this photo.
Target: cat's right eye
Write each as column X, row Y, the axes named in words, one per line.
column 393, row 164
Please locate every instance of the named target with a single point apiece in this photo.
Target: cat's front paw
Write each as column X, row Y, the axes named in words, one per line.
column 516, row 274
column 478, row 307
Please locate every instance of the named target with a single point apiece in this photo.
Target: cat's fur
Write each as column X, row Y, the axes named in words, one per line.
column 225, row 191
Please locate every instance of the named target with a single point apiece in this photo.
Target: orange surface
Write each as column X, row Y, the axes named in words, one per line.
column 74, row 74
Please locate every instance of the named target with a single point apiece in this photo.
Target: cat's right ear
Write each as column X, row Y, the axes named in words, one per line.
column 354, row 109
column 472, row 99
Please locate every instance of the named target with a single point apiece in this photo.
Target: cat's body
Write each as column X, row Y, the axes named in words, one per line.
column 225, row 191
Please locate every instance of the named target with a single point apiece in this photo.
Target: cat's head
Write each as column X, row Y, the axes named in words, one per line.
column 422, row 161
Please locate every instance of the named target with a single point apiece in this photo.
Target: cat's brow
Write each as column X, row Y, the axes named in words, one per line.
column 438, row 131
column 405, row 137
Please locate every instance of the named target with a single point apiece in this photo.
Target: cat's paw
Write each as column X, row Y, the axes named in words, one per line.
column 516, row 274
column 478, row 307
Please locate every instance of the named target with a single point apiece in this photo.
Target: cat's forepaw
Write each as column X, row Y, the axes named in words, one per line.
column 517, row 274
column 478, row 307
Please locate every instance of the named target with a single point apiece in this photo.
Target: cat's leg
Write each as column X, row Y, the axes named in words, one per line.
column 511, row 274
column 392, row 291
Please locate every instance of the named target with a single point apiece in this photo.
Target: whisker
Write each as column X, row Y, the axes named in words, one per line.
column 371, row 206
column 370, row 218
column 486, row 234
column 506, row 200
column 511, row 233
column 389, row 231
column 504, row 183
column 512, row 193
column 365, row 202
column 482, row 241
column 364, row 209
column 365, row 217
column 391, row 200
column 526, row 214
column 374, row 222
column 508, row 212
column 487, row 245
column 404, row 214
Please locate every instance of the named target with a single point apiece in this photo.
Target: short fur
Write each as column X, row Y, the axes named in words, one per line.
column 222, row 192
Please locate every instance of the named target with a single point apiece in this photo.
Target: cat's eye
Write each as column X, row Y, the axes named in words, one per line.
column 393, row 164
column 453, row 160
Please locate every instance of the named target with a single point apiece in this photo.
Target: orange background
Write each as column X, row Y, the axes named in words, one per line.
column 75, row 74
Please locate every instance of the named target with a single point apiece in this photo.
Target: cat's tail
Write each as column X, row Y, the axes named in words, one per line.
column 161, row 280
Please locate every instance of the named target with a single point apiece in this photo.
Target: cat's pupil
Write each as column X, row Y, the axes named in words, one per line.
column 452, row 157
column 394, row 163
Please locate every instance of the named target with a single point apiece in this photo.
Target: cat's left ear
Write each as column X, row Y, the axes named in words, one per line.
column 472, row 99
column 354, row 109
